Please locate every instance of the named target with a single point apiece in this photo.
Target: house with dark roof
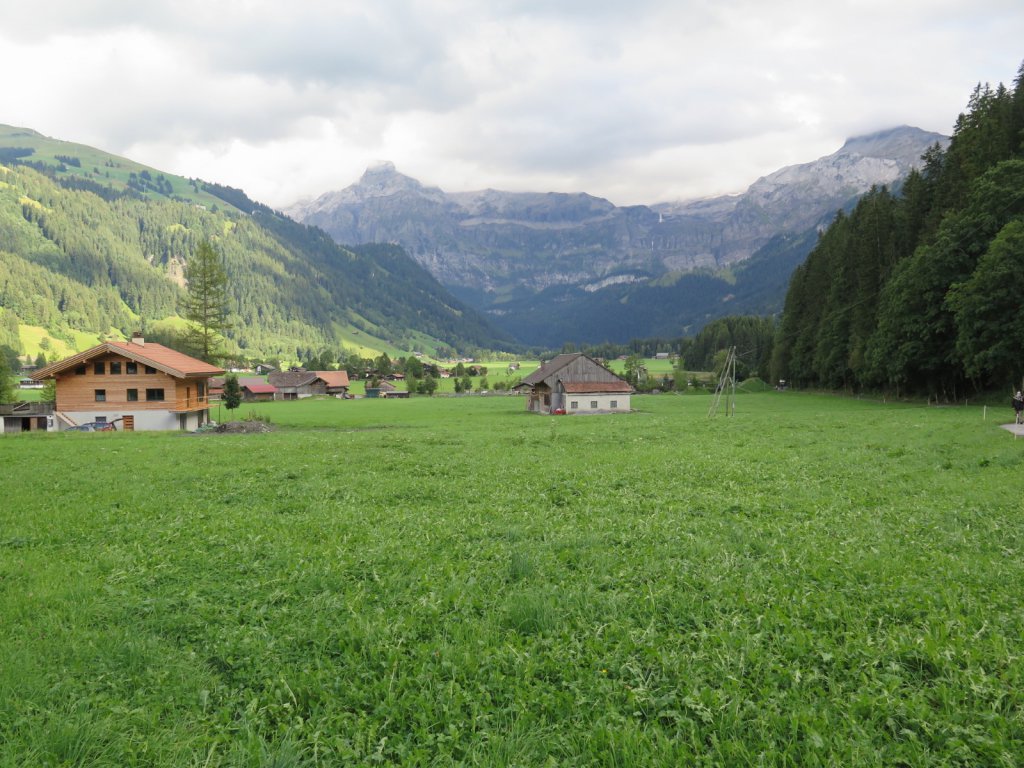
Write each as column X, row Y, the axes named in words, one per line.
column 574, row 383
column 135, row 384
column 383, row 389
column 295, row 384
column 298, row 383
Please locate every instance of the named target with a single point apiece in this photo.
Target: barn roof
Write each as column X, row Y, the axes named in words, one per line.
column 291, row 378
column 165, row 359
column 333, row 378
column 578, row 374
column 260, row 388
column 552, row 366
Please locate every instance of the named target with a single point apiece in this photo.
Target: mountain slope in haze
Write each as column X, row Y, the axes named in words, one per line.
column 91, row 243
column 511, row 254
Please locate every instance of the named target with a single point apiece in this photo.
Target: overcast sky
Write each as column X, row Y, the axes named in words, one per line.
column 638, row 101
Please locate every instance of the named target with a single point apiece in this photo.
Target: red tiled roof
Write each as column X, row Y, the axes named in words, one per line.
column 260, row 389
column 158, row 356
column 334, row 378
column 582, row 387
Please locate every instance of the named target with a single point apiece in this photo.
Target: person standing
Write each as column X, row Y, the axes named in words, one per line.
column 1018, row 407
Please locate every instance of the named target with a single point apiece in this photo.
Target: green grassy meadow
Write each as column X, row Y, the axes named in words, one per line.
column 453, row 581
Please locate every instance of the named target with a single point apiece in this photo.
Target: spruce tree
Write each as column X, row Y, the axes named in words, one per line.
column 232, row 396
column 206, row 303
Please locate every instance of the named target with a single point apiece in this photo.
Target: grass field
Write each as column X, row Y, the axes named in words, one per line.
column 816, row 581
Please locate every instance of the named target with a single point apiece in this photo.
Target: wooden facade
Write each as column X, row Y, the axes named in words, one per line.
column 147, row 389
column 575, row 383
column 143, row 386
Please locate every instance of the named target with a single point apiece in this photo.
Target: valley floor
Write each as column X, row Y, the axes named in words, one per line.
column 814, row 581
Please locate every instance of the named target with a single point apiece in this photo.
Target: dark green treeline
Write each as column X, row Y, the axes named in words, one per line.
column 922, row 292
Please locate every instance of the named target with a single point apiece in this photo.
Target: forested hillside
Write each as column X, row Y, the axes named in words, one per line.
column 922, row 292
column 110, row 258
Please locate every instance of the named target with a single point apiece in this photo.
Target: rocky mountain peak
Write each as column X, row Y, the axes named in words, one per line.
column 496, row 248
column 902, row 144
column 384, row 180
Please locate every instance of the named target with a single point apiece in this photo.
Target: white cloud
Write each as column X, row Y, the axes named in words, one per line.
column 637, row 102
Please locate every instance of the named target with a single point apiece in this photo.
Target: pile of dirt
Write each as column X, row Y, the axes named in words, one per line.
column 244, row 427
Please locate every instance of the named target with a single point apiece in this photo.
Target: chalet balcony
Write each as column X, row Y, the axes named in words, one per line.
column 186, row 404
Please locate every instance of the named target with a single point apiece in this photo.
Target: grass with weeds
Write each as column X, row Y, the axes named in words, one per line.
column 815, row 581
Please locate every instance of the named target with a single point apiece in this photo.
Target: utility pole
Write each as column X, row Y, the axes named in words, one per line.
column 726, row 385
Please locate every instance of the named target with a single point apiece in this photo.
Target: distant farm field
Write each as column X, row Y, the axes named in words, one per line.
column 452, row 581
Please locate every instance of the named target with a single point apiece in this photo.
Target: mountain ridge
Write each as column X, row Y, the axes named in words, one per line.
column 499, row 249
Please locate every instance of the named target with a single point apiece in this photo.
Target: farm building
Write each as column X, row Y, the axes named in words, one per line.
column 295, row 384
column 383, row 389
column 258, row 390
column 336, row 382
column 26, row 417
column 134, row 384
column 298, row 383
column 215, row 387
column 575, row 383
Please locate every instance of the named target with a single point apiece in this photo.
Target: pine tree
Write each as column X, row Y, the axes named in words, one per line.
column 206, row 303
column 232, row 396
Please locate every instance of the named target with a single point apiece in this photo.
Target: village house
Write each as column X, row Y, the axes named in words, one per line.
column 215, row 387
column 256, row 389
column 298, row 383
column 295, row 384
column 574, row 383
column 134, row 385
column 336, row 382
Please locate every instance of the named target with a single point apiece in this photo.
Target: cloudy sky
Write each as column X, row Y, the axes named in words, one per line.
column 638, row 101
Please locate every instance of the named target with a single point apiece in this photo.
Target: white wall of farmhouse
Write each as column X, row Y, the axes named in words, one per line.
column 597, row 403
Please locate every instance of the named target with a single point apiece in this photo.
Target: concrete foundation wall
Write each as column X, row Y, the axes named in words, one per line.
column 145, row 421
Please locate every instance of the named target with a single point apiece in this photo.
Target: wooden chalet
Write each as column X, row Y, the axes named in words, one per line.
column 134, row 384
column 256, row 390
column 295, row 384
column 336, row 382
column 575, row 383
column 298, row 383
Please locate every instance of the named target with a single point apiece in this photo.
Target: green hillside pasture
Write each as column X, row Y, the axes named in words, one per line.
column 815, row 581
column 96, row 165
